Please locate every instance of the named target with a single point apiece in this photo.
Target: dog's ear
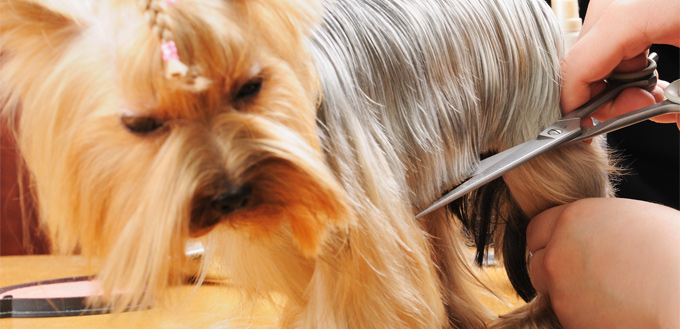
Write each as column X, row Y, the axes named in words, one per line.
column 26, row 22
column 32, row 40
column 31, row 31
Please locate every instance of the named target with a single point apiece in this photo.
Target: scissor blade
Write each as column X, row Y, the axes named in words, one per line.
column 499, row 164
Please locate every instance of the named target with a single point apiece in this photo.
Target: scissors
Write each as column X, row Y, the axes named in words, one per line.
column 568, row 129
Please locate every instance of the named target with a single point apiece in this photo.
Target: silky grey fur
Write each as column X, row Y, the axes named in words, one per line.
column 423, row 87
column 414, row 92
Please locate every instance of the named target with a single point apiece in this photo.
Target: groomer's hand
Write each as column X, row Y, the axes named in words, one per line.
column 608, row 263
column 616, row 36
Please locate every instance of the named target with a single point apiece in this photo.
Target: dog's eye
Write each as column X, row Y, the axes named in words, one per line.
column 140, row 124
column 249, row 89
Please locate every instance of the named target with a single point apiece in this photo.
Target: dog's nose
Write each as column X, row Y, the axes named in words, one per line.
column 233, row 199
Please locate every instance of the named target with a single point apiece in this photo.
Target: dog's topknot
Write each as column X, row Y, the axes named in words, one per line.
column 161, row 24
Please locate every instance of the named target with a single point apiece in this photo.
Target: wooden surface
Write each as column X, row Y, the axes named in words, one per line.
column 212, row 306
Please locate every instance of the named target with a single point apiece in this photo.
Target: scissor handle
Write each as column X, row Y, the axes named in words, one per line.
column 670, row 105
column 616, row 83
column 623, row 77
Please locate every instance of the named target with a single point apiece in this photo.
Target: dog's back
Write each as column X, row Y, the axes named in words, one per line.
column 415, row 92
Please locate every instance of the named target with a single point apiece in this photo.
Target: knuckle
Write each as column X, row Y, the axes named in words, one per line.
column 573, row 213
column 552, row 264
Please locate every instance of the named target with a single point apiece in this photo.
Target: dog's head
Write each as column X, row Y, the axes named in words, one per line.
column 128, row 163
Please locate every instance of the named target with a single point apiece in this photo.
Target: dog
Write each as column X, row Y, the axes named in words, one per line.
column 297, row 139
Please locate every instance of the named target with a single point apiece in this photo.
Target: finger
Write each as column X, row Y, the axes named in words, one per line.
column 658, row 19
column 636, row 63
column 659, row 90
column 594, row 89
column 619, row 40
column 667, row 118
column 659, row 96
column 537, row 273
column 628, row 100
column 593, row 13
column 614, row 31
column 541, row 227
column 633, row 99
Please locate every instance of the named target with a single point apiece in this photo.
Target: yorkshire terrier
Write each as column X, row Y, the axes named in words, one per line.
column 297, row 138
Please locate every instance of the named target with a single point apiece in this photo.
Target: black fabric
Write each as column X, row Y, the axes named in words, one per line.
column 650, row 151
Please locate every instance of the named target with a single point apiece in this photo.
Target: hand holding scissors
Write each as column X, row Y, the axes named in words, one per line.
column 569, row 129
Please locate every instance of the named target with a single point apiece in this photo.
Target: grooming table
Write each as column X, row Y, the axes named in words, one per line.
column 210, row 304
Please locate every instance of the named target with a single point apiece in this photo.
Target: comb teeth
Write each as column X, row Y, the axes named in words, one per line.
column 567, row 13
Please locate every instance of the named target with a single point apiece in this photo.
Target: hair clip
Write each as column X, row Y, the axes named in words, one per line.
column 154, row 13
column 173, row 66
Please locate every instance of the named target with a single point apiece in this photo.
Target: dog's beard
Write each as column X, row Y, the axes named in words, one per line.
column 136, row 208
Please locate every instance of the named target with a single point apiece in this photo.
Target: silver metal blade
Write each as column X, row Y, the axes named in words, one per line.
column 499, row 164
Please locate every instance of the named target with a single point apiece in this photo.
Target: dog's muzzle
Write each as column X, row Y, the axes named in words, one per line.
column 233, row 199
column 209, row 210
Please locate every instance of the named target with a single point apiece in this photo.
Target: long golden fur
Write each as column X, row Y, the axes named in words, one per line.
column 331, row 124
